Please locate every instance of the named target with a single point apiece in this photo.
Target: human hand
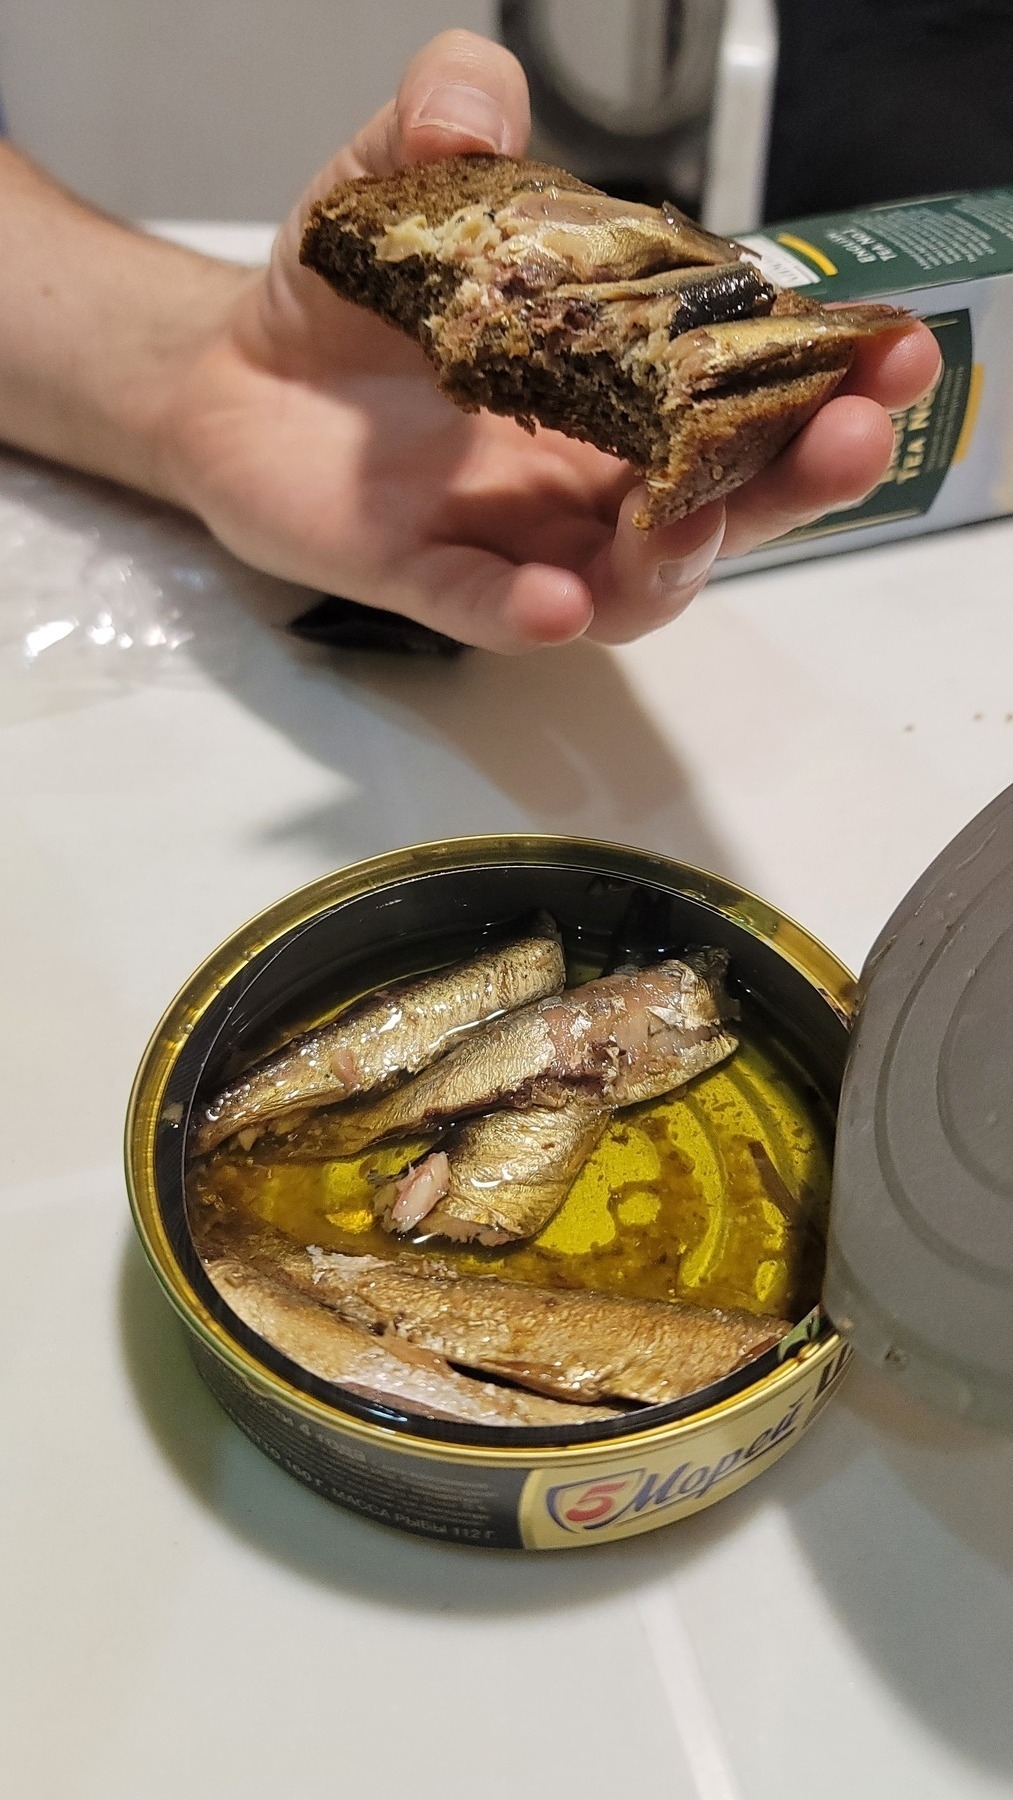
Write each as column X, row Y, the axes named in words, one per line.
column 313, row 441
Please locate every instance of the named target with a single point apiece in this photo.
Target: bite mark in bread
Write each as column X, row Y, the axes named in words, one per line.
column 630, row 327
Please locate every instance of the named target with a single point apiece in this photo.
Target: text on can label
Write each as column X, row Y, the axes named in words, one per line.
column 584, row 1506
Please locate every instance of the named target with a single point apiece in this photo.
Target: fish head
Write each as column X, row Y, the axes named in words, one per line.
column 593, row 237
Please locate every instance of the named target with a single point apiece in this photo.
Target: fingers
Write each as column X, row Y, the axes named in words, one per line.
column 845, row 450
column 834, row 461
column 482, row 599
column 896, row 369
column 643, row 579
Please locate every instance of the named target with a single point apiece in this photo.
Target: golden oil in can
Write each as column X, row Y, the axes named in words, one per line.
column 716, row 1195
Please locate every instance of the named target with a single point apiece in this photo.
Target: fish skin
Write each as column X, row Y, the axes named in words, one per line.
column 223, row 1231
column 390, row 1034
column 491, row 260
column 591, row 237
column 608, row 314
column 781, row 343
column 500, row 1177
column 669, row 284
column 707, row 246
column 572, row 1344
column 376, row 1368
column 615, row 1042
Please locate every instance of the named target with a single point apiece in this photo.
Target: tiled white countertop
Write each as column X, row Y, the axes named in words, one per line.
column 176, row 1615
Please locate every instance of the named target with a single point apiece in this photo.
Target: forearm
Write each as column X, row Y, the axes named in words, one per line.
column 97, row 322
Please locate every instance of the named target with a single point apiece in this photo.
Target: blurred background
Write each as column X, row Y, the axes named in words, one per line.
column 737, row 109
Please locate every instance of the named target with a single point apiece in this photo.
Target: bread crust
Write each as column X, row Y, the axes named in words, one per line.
column 653, row 366
column 340, row 231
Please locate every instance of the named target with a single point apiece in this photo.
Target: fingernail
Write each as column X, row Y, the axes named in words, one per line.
column 686, row 573
column 467, row 111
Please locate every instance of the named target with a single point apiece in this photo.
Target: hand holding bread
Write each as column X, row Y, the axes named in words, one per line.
column 319, row 442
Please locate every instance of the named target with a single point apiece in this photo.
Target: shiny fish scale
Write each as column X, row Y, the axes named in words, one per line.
column 394, row 1032
column 393, row 1373
column 574, row 1346
column 588, row 1243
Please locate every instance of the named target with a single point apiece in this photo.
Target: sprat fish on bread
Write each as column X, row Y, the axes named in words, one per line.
column 628, row 326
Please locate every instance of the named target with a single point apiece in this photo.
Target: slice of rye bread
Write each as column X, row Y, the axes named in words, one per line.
column 630, row 327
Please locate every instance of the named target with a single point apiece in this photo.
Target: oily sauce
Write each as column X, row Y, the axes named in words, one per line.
column 717, row 1195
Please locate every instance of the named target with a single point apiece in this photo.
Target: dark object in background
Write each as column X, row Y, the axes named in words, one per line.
column 640, row 131
column 347, row 625
column 887, row 100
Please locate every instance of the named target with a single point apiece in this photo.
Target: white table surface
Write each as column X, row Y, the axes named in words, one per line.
column 176, row 1615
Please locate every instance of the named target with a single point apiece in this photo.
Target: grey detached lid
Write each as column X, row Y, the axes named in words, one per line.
column 920, row 1255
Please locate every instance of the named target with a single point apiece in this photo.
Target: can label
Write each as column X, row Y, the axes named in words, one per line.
column 947, row 258
column 927, row 439
column 431, row 1496
column 514, row 1506
column 637, row 1494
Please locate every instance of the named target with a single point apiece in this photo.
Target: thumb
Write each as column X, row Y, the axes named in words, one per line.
column 461, row 92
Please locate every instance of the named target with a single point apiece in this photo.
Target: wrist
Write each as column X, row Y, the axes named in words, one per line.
column 98, row 326
column 197, row 298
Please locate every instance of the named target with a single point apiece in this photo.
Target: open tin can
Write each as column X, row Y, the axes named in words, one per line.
column 502, row 1486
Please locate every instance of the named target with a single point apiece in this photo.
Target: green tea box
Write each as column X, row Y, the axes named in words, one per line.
column 949, row 259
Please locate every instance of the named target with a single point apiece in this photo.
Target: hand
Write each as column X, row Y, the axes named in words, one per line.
column 313, row 441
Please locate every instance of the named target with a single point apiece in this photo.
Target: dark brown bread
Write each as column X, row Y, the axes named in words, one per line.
column 538, row 297
column 338, row 240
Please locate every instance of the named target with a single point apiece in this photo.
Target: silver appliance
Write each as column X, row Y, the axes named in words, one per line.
column 653, row 98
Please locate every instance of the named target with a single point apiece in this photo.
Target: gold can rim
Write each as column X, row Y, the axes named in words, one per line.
column 746, row 910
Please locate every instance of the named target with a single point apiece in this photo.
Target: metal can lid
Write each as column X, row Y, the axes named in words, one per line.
column 920, row 1251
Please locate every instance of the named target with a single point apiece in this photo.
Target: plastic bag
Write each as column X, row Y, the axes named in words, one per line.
column 102, row 592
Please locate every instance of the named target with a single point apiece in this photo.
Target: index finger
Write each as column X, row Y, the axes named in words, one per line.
column 896, row 369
